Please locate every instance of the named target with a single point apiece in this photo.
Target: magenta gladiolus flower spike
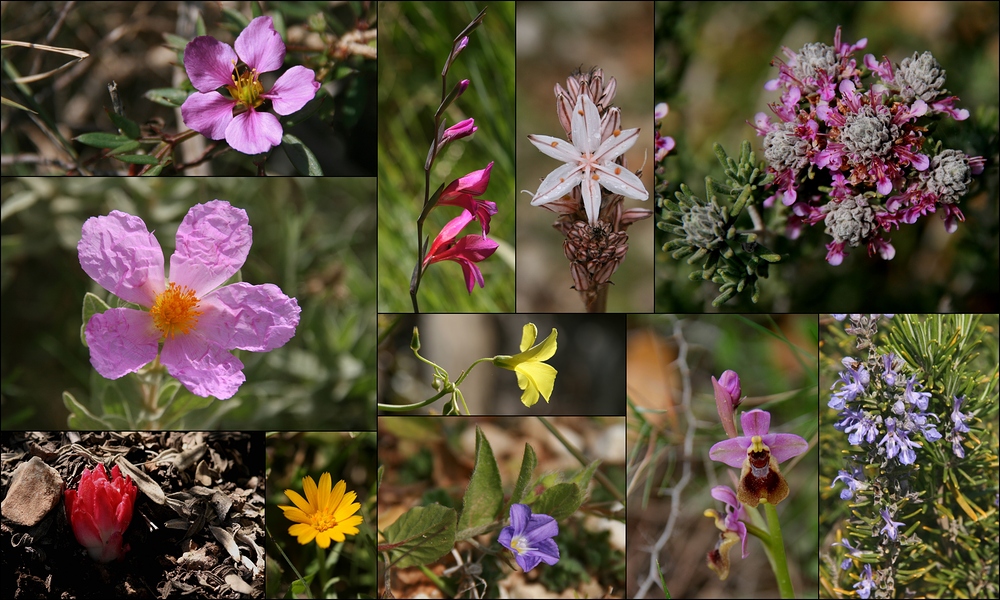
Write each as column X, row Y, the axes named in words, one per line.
column 100, row 511
column 462, row 192
column 197, row 321
column 211, row 64
column 466, row 251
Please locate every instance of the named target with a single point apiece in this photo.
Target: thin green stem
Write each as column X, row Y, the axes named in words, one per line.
column 598, row 475
column 779, row 562
column 465, row 373
column 298, row 575
column 324, row 571
column 409, row 407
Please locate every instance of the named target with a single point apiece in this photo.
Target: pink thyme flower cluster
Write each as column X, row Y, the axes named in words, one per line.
column 211, row 65
column 470, row 249
column 856, row 158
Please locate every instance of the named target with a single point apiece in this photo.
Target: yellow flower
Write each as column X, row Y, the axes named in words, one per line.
column 323, row 514
column 533, row 376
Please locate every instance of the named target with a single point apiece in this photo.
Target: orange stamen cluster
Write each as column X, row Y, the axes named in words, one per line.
column 175, row 311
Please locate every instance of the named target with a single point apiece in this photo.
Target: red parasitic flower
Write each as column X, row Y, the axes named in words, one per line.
column 100, row 511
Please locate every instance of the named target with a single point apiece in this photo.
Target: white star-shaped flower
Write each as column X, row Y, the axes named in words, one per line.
column 589, row 162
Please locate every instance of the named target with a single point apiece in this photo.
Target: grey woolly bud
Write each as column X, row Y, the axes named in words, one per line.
column 949, row 176
column 703, row 226
column 812, row 58
column 869, row 133
column 850, row 220
column 784, row 150
column 919, row 77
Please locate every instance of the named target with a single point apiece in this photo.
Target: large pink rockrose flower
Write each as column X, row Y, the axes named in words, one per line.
column 197, row 321
column 212, row 64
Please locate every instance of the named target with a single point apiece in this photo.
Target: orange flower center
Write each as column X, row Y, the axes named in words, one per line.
column 175, row 310
column 322, row 520
column 246, row 89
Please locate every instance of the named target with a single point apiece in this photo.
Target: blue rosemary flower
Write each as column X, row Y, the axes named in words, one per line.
column 896, row 442
column 866, row 584
column 890, row 525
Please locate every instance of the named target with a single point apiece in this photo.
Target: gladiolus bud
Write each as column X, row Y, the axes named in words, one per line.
column 459, row 130
column 100, row 511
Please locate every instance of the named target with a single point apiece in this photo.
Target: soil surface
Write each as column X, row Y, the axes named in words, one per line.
column 197, row 528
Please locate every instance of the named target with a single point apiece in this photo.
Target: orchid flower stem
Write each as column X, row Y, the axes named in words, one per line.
column 777, row 552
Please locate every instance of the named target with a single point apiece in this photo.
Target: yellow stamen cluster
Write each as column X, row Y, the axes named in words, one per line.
column 175, row 310
column 246, row 89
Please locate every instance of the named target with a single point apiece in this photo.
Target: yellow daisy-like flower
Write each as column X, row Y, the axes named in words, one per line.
column 324, row 514
column 533, row 376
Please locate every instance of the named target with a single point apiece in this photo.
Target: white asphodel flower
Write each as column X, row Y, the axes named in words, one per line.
column 589, row 162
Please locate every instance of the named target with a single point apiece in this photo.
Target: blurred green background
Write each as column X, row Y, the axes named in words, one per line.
column 712, row 60
column 671, row 356
column 314, row 238
column 413, row 46
column 348, row 456
column 554, row 39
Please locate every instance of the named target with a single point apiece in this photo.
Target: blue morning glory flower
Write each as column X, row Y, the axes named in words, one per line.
column 529, row 537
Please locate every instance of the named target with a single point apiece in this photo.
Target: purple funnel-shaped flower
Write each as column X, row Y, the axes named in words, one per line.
column 529, row 537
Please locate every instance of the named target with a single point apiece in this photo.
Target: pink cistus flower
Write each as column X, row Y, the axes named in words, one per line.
column 197, row 321
column 466, row 251
column 211, row 64
column 100, row 511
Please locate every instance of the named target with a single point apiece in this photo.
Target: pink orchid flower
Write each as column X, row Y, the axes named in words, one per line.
column 466, row 251
column 211, row 64
column 197, row 321
column 462, row 192
column 100, row 511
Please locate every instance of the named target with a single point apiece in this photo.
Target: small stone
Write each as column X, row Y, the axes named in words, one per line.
column 35, row 489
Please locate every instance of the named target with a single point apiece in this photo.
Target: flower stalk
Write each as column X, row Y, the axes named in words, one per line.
column 776, row 552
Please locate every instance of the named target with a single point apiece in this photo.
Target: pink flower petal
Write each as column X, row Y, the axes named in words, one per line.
column 209, row 63
column 755, row 422
column 121, row 341
column 724, row 493
column 213, row 241
column 260, row 46
column 474, row 183
column 209, row 114
column 785, row 445
column 119, row 253
column 731, row 452
column 205, row 368
column 249, row 317
column 254, row 132
column 293, row 90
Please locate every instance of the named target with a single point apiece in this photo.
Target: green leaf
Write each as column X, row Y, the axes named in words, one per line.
column 182, row 403
column 153, row 172
column 139, row 159
column 235, row 17
column 582, row 479
column 559, row 501
column 199, row 26
column 131, row 146
column 175, row 42
column 128, row 127
column 100, row 139
column 300, row 587
column 92, row 305
column 171, row 97
column 301, row 156
column 255, row 9
column 421, row 535
column 528, row 464
column 80, row 417
column 484, row 496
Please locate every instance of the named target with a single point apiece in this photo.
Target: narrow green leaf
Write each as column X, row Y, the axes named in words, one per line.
column 131, row 146
column 528, row 464
column 235, row 17
column 301, row 156
column 139, row 159
column 100, row 139
column 255, row 9
column 421, row 535
column 80, row 417
column 128, row 127
column 171, row 97
column 153, row 172
column 582, row 479
column 180, row 404
column 300, row 587
column 199, row 26
column 484, row 496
